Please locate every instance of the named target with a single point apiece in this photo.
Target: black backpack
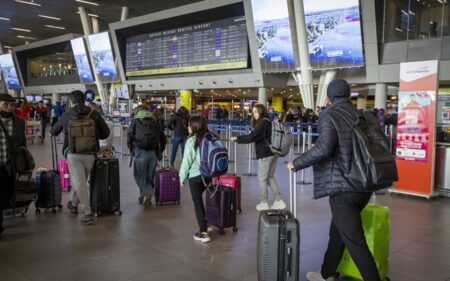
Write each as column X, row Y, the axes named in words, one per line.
column 147, row 134
column 373, row 166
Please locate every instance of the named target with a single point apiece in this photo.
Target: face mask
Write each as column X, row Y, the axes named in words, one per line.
column 6, row 114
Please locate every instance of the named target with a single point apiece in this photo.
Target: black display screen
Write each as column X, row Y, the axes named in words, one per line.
column 208, row 46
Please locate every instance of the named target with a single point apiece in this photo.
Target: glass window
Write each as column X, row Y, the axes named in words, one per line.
column 396, row 20
column 425, row 19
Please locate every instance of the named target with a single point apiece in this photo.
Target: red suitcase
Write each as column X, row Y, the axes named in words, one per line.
column 234, row 182
column 167, row 186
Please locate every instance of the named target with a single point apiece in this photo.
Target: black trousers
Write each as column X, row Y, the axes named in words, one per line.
column 6, row 189
column 197, row 187
column 346, row 231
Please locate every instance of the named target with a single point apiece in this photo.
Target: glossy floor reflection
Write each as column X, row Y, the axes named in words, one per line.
column 157, row 244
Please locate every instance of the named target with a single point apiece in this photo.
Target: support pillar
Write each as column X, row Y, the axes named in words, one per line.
column 380, row 96
column 55, row 97
column 361, row 103
column 325, row 79
column 262, row 96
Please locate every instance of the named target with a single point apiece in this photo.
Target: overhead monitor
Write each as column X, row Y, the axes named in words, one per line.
column 207, row 46
column 121, row 91
column 103, row 56
column 273, row 35
column 82, row 60
column 9, row 71
column 334, row 33
column 29, row 98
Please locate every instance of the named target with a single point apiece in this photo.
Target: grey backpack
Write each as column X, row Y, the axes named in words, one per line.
column 281, row 139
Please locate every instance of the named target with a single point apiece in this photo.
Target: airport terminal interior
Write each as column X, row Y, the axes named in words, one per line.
column 221, row 60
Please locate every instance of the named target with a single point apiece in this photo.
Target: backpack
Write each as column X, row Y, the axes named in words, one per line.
column 281, row 139
column 82, row 134
column 213, row 157
column 373, row 166
column 147, row 134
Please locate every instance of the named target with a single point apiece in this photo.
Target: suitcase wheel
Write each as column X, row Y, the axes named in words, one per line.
column 97, row 214
column 118, row 213
column 53, row 211
column 222, row 231
column 38, row 211
column 235, row 229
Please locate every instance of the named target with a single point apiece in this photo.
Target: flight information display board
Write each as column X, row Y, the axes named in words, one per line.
column 209, row 46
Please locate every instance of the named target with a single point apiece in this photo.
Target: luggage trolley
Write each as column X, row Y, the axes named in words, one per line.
column 33, row 131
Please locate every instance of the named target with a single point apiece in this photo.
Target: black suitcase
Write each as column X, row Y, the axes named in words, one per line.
column 25, row 195
column 105, row 187
column 278, row 252
column 221, row 207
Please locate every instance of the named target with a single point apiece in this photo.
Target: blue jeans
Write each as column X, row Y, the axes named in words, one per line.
column 144, row 170
column 176, row 141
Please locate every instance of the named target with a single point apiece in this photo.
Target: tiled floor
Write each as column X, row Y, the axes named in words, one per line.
column 157, row 244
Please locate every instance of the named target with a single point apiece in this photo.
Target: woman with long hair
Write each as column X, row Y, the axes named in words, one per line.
column 190, row 168
column 267, row 161
column 178, row 123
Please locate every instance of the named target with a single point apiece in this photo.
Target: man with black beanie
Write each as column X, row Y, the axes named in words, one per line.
column 80, row 164
column 331, row 152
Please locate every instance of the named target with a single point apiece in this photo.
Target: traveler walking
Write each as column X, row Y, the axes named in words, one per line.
column 83, row 128
column 146, row 141
column 332, row 152
column 178, row 124
column 10, row 125
column 267, row 161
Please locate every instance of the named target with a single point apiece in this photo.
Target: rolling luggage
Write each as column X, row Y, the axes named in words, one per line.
column 278, row 250
column 48, row 185
column 25, row 195
column 167, row 187
column 376, row 225
column 221, row 207
column 105, row 187
column 63, row 169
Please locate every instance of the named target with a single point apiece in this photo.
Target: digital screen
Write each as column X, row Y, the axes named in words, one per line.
column 103, row 56
column 209, row 46
column 38, row 98
column 273, row 35
column 9, row 71
column 81, row 60
column 334, row 33
column 121, row 91
column 29, row 98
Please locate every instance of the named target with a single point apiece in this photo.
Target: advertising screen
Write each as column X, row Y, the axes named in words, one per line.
column 103, row 56
column 9, row 71
column 81, row 60
column 208, row 46
column 121, row 91
column 334, row 33
column 273, row 35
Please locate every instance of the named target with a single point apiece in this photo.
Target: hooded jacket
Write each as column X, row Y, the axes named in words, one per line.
column 145, row 115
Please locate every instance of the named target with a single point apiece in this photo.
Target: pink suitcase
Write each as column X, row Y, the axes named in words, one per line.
column 234, row 182
column 63, row 169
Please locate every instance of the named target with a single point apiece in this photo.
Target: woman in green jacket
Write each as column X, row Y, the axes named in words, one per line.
column 190, row 168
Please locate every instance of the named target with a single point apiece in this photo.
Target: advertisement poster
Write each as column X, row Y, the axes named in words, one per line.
column 103, row 56
column 82, row 61
column 330, row 27
column 9, row 71
column 413, row 135
column 273, row 35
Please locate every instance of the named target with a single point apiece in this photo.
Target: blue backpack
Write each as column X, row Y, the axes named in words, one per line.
column 213, row 157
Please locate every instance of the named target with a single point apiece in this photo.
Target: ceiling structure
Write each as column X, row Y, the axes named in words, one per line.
column 35, row 20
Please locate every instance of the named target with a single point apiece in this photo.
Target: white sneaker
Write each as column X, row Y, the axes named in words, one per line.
column 202, row 237
column 317, row 276
column 263, row 206
column 279, row 205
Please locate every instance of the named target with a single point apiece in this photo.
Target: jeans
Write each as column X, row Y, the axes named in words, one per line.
column 176, row 141
column 144, row 170
column 197, row 187
column 266, row 172
column 80, row 166
column 346, row 231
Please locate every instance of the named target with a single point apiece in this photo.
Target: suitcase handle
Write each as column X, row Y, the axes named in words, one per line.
column 293, row 192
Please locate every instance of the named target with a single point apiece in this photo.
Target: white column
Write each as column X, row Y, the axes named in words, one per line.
column 95, row 25
column 124, row 14
column 361, row 103
column 380, row 96
column 85, row 21
column 262, row 96
column 325, row 80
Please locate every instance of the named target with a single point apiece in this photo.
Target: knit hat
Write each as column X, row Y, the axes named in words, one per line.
column 338, row 89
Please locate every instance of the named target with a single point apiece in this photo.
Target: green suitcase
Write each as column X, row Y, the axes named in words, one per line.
column 376, row 225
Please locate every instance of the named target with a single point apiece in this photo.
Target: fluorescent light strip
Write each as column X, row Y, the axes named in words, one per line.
column 26, row 37
column 29, row 3
column 20, row 29
column 49, row 17
column 55, row 27
column 87, row 2
column 91, row 15
column 7, row 47
column 2, row 18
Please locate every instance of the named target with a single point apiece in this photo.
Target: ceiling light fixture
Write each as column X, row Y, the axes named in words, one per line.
column 91, row 15
column 87, row 2
column 26, row 37
column 7, row 47
column 31, row 2
column 49, row 17
column 2, row 18
column 20, row 29
column 55, row 27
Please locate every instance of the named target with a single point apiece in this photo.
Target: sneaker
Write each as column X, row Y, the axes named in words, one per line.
column 73, row 209
column 263, row 206
column 279, row 205
column 202, row 237
column 87, row 219
column 317, row 276
column 147, row 201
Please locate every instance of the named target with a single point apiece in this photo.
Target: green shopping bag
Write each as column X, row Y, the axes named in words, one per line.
column 376, row 225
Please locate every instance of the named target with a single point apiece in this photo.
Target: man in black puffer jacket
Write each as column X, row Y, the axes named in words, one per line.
column 332, row 152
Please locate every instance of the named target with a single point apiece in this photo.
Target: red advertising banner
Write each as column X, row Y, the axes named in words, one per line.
column 416, row 128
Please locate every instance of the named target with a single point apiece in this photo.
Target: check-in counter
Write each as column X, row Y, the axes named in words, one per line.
column 442, row 169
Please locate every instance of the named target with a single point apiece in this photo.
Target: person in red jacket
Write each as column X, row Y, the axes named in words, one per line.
column 24, row 111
